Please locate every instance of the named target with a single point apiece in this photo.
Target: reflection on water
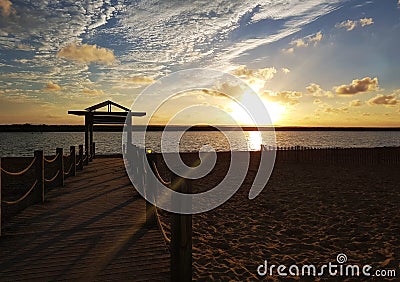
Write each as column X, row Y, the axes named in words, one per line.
column 23, row 144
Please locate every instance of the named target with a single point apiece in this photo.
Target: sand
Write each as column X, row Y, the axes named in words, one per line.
column 307, row 214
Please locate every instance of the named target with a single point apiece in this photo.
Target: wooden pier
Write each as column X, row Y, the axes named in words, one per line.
column 92, row 228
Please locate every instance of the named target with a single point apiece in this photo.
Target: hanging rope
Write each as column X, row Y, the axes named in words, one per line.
column 166, row 183
column 78, row 163
column 22, row 171
column 52, row 160
column 54, row 177
column 23, row 197
column 168, row 240
column 69, row 170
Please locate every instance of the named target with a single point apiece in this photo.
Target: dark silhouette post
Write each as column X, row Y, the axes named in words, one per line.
column 80, row 162
column 39, row 171
column 60, row 165
column 73, row 160
column 181, row 236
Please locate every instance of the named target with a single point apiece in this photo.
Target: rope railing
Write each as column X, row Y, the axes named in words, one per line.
column 166, row 183
column 53, row 178
column 23, row 197
column 20, row 172
column 79, row 162
column 51, row 160
column 167, row 240
column 69, row 170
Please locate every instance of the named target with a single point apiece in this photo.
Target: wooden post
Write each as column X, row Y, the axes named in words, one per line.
column 0, row 198
column 73, row 160
column 60, row 165
column 86, row 162
column 90, row 116
column 93, row 150
column 181, row 237
column 39, row 171
column 150, row 208
column 80, row 152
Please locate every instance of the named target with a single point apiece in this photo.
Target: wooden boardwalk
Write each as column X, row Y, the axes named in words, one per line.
column 91, row 229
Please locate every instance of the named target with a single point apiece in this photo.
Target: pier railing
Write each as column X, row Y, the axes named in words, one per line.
column 27, row 186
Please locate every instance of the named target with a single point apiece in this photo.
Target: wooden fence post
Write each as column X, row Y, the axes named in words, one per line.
column 39, row 171
column 148, row 190
column 0, row 198
column 60, row 165
column 181, row 237
column 73, row 160
column 80, row 152
column 93, row 150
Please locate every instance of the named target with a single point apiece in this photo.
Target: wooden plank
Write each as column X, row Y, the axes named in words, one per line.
column 92, row 229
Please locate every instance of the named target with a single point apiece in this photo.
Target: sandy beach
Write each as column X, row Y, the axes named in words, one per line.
column 307, row 214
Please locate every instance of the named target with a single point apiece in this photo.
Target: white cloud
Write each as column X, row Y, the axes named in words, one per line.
column 285, row 70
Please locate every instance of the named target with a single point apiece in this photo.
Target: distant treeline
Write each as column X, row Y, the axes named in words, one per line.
column 114, row 128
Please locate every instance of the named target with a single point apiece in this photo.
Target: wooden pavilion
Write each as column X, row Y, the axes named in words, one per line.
column 94, row 116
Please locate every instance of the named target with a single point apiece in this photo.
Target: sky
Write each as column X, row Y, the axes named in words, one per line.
column 312, row 63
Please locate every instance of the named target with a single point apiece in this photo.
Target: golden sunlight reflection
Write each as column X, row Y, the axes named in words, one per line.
column 254, row 140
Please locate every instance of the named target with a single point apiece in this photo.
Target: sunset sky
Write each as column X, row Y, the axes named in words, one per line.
column 313, row 63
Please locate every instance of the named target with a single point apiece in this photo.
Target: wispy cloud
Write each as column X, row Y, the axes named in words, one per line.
column 358, row 86
column 92, row 91
column 264, row 74
column 312, row 39
column 87, row 54
column 355, row 103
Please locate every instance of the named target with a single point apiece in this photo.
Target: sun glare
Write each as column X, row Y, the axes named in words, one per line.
column 242, row 117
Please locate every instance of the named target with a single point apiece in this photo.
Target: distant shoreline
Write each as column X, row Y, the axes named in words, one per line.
column 106, row 128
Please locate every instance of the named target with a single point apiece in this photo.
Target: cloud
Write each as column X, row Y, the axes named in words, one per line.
column 349, row 25
column 355, row 103
column 331, row 110
column 140, row 80
column 283, row 97
column 316, row 91
column 226, row 88
column 264, row 74
column 358, row 86
column 87, row 54
column 313, row 39
column 92, row 91
column 388, row 100
column 366, row 21
column 52, row 87
column 6, row 8
column 317, row 101
column 285, row 70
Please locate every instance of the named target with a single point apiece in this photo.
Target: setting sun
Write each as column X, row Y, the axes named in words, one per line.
column 242, row 117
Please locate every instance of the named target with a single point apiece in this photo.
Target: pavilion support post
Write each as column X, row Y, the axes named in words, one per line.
column 86, row 161
column 90, row 116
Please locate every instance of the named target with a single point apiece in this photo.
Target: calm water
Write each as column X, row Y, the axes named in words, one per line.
column 23, row 144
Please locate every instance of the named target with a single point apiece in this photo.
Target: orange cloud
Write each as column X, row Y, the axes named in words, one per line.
column 358, row 86
column 52, row 87
column 366, row 21
column 388, row 100
column 6, row 8
column 92, row 91
column 265, row 74
column 349, row 25
column 87, row 54
column 141, row 80
column 355, row 103
column 284, row 97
